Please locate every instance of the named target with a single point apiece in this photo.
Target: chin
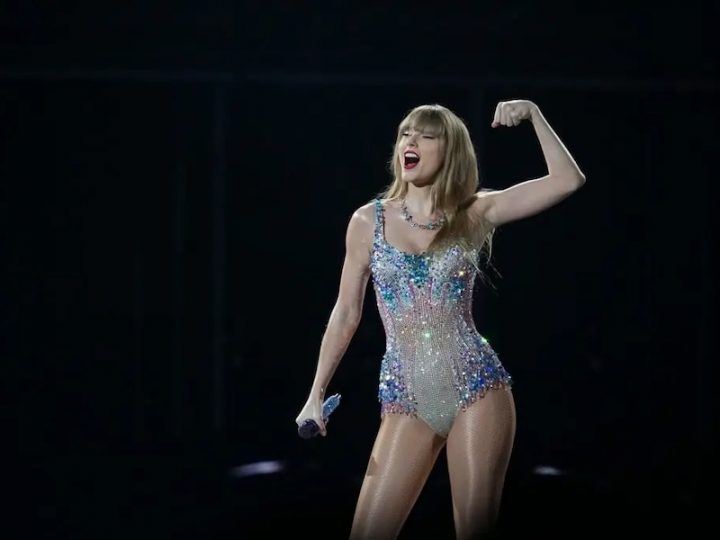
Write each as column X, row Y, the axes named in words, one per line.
column 417, row 181
column 410, row 177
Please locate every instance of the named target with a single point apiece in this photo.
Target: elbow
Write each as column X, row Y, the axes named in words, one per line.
column 567, row 183
column 353, row 320
column 580, row 180
column 348, row 318
column 348, row 327
column 576, row 181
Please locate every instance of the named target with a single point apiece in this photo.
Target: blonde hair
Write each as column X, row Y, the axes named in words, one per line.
column 455, row 185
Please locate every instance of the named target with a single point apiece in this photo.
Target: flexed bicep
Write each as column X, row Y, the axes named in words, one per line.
column 533, row 196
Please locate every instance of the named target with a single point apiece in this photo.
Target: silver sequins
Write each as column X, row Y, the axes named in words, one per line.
column 436, row 362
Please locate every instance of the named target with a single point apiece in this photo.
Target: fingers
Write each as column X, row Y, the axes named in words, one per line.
column 502, row 117
column 496, row 119
column 514, row 116
column 507, row 114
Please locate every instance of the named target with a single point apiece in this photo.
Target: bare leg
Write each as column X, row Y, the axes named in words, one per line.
column 478, row 452
column 402, row 458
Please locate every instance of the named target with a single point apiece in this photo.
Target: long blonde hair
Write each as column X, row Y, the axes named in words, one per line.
column 455, row 185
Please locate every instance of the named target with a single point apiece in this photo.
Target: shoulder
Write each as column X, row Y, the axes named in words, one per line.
column 367, row 213
column 364, row 214
column 362, row 222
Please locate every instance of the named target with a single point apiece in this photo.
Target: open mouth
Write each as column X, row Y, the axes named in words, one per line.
column 410, row 160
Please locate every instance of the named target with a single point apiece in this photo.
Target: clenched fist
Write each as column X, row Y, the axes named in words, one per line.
column 511, row 113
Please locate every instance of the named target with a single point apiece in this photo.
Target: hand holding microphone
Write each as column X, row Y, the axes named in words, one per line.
column 313, row 418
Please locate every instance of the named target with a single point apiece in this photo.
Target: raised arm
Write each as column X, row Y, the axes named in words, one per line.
column 345, row 315
column 533, row 196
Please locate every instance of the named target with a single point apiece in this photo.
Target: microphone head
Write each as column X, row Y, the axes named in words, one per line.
column 308, row 429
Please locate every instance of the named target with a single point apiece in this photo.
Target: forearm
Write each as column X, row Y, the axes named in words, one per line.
column 560, row 163
column 338, row 334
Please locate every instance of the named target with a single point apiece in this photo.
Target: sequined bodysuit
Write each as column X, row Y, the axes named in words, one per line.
column 436, row 363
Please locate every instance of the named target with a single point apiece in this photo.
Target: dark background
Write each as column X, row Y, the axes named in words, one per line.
column 177, row 179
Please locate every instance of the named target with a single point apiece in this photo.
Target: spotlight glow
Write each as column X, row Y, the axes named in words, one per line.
column 257, row 468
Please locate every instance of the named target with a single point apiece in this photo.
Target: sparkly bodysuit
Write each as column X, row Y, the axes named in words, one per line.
column 436, row 363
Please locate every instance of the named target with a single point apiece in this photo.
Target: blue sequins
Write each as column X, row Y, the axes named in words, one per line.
column 436, row 362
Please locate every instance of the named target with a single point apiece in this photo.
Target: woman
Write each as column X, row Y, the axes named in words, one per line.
column 441, row 384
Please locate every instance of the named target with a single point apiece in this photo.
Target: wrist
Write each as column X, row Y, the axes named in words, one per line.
column 535, row 113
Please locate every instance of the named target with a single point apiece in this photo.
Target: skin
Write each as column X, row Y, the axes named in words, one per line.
column 420, row 179
column 480, row 442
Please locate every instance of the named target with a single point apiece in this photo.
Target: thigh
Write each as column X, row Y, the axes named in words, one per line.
column 402, row 458
column 478, row 452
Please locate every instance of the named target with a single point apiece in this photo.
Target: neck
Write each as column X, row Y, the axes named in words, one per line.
column 419, row 201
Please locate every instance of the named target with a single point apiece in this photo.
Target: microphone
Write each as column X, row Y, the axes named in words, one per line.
column 309, row 428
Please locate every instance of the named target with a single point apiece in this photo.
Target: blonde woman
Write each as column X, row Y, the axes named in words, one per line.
column 441, row 383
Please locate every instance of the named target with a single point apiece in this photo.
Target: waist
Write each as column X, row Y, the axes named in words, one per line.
column 443, row 335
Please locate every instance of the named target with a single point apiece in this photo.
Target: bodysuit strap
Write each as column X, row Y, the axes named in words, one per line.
column 379, row 219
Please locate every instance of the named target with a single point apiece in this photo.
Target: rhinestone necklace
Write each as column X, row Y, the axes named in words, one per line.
column 428, row 227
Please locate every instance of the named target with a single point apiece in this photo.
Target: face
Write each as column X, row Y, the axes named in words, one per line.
column 421, row 155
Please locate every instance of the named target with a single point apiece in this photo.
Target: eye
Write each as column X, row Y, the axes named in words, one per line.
column 428, row 136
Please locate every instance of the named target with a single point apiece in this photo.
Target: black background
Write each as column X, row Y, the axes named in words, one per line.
column 177, row 179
